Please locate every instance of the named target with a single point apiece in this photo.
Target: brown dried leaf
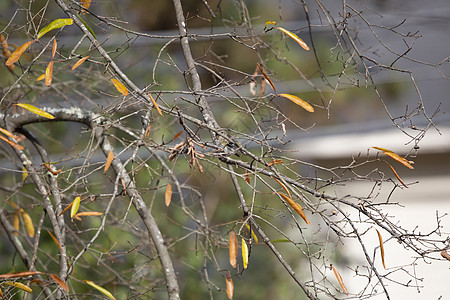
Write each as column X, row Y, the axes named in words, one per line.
column 380, row 239
column 267, row 77
column 28, row 223
column 60, row 282
column 305, row 105
column 155, row 105
column 66, row 209
column 55, row 240
column 79, row 62
column 339, row 279
column 20, row 274
column 88, row 214
column 445, row 255
column 109, row 160
column 275, row 162
column 247, row 177
column 17, row 146
column 283, row 186
column 177, row 136
column 233, row 249
column 18, row 53
column 396, row 175
column 230, row 286
column 168, row 194
column 54, row 48
column 297, row 207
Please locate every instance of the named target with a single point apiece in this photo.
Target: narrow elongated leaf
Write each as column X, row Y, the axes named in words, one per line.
column 18, row 53
column 155, row 105
column 283, row 186
column 305, row 105
column 120, row 87
column 87, row 26
column 176, row 136
column 55, row 240
column 16, row 223
column 88, row 214
column 244, row 253
column 55, row 24
column 233, row 249
column 380, row 239
column 35, row 110
column 17, row 146
column 20, row 274
column 8, row 133
column 100, row 289
column 54, row 48
column 19, row 285
column 79, row 62
column 275, row 162
column 297, row 207
column 24, row 173
column 66, row 209
column 168, row 194
column 1, row 294
column 267, row 78
column 396, row 175
column 109, row 160
column 28, row 223
column 230, row 286
column 75, row 206
column 339, row 279
column 49, row 73
column 255, row 238
column 271, row 23
column 294, row 37
column 395, row 156
column 42, row 76
column 59, row 281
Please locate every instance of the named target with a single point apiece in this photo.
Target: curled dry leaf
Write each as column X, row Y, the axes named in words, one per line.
column 18, row 53
column 28, row 223
column 155, row 105
column 120, row 87
column 59, row 281
column 19, row 285
column 49, row 73
column 75, row 206
column 305, row 105
column 297, row 207
column 109, row 160
column 35, row 110
column 445, row 255
column 266, row 77
column 244, row 253
column 168, row 194
column 100, row 289
column 294, row 37
column 395, row 156
column 79, row 62
column 339, row 279
column 230, row 286
column 233, row 249
column 380, row 239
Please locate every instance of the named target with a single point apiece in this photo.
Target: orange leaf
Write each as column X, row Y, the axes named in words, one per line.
column 297, row 207
column 20, row 274
column 35, row 110
column 109, row 160
column 59, row 281
column 283, row 186
column 168, row 194
column 42, row 76
column 17, row 146
column 120, row 87
column 230, row 286
column 155, row 105
column 380, row 239
column 66, row 209
column 244, row 253
column 88, row 214
column 8, row 133
column 16, row 54
column 339, row 279
column 19, row 285
column 247, row 177
column 396, row 175
column 28, row 222
column 233, row 249
column 1, row 294
column 49, row 73
column 294, row 37
column 275, row 162
column 79, row 62
column 85, row 4
column 16, row 223
column 395, row 156
column 55, row 240
column 54, row 48
column 267, row 77
column 305, row 105
column 176, row 136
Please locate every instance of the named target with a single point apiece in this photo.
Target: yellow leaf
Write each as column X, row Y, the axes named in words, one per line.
column 266, row 77
column 58, row 23
column 20, row 274
column 55, row 240
column 120, row 87
column 297, row 207
column 28, row 222
column 255, row 238
column 79, row 62
column 24, row 173
column 230, row 286
column 88, row 214
column 155, row 105
column 339, row 279
column 298, row 101
column 16, row 223
column 395, row 156
column 49, row 73
column 271, row 23
column 294, row 37
column 168, row 194
column 100, row 289
column 54, row 48
column 60, row 282
column 18, row 53
column 8, row 133
column 42, row 76
column 75, row 206
column 17, row 146
column 233, row 249
column 36, row 110
column 19, row 286
column 380, row 239
column 244, row 253
column 109, row 160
